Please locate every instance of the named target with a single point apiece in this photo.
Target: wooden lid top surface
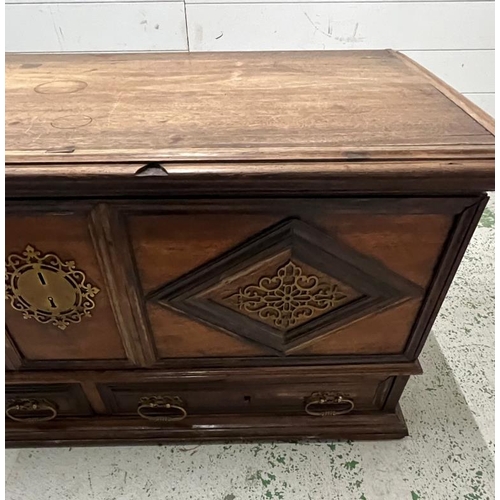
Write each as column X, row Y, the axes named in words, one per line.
column 350, row 106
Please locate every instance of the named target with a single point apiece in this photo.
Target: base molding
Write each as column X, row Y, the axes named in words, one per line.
column 114, row 431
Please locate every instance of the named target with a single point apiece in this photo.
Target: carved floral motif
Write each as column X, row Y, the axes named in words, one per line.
column 289, row 298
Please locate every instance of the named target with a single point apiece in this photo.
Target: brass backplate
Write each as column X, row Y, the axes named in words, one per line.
column 46, row 289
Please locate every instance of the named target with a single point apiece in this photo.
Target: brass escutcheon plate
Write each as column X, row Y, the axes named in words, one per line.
column 46, row 289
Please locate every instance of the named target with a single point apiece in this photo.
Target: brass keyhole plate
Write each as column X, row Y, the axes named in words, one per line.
column 46, row 289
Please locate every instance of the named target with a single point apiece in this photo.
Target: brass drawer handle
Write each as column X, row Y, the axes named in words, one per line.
column 324, row 404
column 30, row 407
column 162, row 408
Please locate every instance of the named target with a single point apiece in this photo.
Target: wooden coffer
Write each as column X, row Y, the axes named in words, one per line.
column 228, row 246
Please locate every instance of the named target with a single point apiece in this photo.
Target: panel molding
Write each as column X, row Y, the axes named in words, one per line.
column 115, row 257
column 469, row 107
column 93, row 396
column 465, row 70
column 451, row 257
column 112, row 430
column 13, row 358
column 486, row 101
column 317, row 178
column 295, row 373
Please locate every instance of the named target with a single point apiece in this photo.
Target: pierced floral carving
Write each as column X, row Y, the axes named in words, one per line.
column 46, row 289
column 289, row 298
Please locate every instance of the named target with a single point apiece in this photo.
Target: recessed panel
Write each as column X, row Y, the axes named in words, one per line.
column 286, row 286
column 263, row 282
column 57, row 305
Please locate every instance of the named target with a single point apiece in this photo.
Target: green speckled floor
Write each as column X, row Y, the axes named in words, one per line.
column 449, row 411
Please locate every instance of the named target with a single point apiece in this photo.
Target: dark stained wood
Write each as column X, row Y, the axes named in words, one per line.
column 68, row 399
column 105, row 430
column 67, row 236
column 457, row 176
column 76, row 364
column 460, row 100
column 375, row 205
column 242, row 397
column 368, row 286
column 173, row 187
column 256, row 375
column 384, row 333
column 112, row 249
column 410, row 244
column 177, row 336
column 457, row 244
column 227, row 401
column 93, row 396
column 232, row 106
column 13, row 358
column 398, row 385
column 207, row 236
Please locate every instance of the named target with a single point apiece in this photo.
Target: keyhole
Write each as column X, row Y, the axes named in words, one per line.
column 52, row 303
column 41, row 278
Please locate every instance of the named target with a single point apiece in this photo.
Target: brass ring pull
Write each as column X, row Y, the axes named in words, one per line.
column 162, row 409
column 324, row 404
column 34, row 409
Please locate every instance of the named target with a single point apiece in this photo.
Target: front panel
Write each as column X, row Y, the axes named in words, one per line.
column 223, row 282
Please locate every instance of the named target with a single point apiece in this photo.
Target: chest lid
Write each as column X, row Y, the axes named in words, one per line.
column 332, row 107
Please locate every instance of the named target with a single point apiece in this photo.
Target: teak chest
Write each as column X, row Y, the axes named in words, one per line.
column 239, row 245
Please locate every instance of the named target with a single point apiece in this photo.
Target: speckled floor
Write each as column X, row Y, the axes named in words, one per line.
column 449, row 411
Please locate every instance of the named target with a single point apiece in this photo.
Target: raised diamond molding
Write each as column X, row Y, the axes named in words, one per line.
column 287, row 286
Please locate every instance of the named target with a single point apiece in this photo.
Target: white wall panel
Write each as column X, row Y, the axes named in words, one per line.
column 77, row 27
column 308, row 26
column 21, row 2
column 464, row 70
column 303, row 1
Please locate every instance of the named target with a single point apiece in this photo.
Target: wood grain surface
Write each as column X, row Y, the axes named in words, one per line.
column 230, row 106
column 175, row 181
column 67, row 236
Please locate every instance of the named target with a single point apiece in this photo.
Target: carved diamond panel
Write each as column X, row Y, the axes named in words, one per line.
column 287, row 286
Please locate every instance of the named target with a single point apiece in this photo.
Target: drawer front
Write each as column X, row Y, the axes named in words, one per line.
column 175, row 401
column 58, row 307
column 31, row 403
column 284, row 278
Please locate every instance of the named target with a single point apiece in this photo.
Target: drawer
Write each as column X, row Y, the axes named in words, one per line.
column 175, row 401
column 31, row 403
